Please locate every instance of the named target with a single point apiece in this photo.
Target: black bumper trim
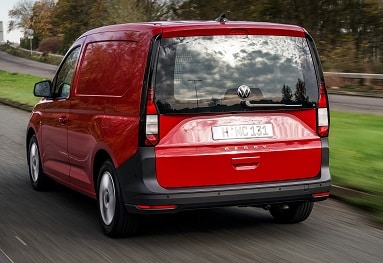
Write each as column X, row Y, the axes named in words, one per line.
column 139, row 186
column 238, row 197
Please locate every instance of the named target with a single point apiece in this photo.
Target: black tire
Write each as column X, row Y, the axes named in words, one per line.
column 38, row 179
column 114, row 219
column 291, row 213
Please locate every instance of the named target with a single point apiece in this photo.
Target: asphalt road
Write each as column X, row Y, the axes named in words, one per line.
column 61, row 226
column 20, row 65
column 359, row 104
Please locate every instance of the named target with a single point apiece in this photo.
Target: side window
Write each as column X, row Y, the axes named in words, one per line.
column 64, row 76
column 108, row 68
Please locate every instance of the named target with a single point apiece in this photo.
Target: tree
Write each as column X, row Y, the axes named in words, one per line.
column 21, row 16
column 72, row 18
column 209, row 10
column 125, row 11
column 155, row 10
column 36, row 16
column 287, row 95
column 42, row 19
column 50, row 45
column 300, row 92
column 348, row 33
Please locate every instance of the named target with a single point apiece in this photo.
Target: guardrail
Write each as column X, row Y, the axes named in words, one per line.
column 35, row 52
column 354, row 75
column 361, row 84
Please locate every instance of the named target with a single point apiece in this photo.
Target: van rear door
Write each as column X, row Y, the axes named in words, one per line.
column 236, row 109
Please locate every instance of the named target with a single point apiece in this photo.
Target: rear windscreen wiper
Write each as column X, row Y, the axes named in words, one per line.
column 270, row 105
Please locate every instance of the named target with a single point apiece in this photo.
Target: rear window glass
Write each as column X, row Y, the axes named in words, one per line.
column 206, row 74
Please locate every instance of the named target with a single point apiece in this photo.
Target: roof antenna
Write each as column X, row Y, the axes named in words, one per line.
column 221, row 18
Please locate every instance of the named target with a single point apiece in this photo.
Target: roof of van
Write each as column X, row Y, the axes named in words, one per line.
column 192, row 28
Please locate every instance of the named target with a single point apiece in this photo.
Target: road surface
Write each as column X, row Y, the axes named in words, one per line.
column 20, row 65
column 358, row 104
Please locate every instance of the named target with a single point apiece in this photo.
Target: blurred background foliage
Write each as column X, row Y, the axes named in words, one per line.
column 348, row 33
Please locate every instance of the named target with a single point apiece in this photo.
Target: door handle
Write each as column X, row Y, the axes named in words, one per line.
column 63, row 120
column 245, row 163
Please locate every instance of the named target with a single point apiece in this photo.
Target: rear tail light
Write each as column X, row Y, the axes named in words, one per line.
column 151, row 121
column 323, row 114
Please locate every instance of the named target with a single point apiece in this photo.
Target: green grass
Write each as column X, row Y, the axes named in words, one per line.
column 18, row 87
column 356, row 151
column 356, row 157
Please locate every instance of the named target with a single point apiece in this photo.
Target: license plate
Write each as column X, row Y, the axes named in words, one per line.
column 228, row 132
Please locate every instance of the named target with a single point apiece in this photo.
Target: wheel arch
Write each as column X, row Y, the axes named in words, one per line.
column 100, row 157
column 30, row 133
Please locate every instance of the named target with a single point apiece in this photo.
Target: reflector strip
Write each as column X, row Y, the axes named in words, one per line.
column 323, row 194
column 156, row 207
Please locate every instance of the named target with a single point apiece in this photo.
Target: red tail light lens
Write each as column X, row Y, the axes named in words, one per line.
column 151, row 126
column 321, row 195
column 323, row 114
column 150, row 105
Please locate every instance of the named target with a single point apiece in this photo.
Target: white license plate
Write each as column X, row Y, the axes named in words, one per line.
column 228, row 132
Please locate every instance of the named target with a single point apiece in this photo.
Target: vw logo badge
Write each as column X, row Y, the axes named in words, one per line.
column 243, row 92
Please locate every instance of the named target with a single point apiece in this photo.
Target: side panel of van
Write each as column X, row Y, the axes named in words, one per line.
column 53, row 134
column 54, row 139
column 106, row 103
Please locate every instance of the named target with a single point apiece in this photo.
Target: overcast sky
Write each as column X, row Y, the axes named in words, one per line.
column 5, row 6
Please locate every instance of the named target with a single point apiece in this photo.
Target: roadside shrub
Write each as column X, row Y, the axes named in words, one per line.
column 26, row 43
column 50, row 45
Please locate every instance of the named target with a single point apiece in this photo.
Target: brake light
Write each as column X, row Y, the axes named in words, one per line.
column 323, row 114
column 151, row 121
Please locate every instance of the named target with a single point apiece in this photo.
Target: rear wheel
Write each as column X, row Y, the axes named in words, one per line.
column 114, row 218
column 292, row 212
column 38, row 180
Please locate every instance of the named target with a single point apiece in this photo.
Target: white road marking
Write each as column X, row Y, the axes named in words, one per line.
column 4, row 257
column 21, row 241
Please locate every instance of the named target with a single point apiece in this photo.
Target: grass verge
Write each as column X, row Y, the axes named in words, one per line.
column 356, row 151
column 18, row 88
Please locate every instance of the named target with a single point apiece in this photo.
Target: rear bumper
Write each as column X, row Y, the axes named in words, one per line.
column 139, row 186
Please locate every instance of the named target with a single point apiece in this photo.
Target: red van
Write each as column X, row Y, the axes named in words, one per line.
column 166, row 116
